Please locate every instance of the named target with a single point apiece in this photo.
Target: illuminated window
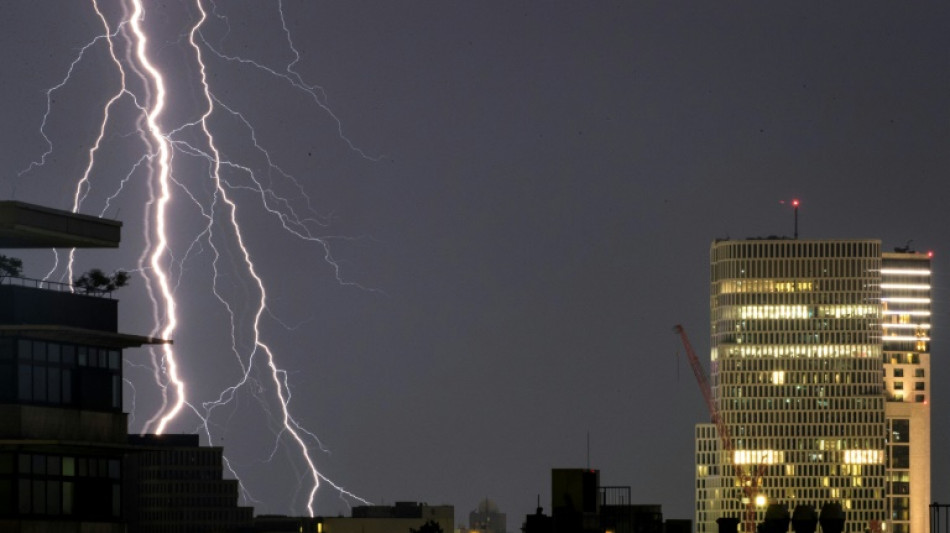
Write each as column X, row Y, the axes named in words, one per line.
column 863, row 457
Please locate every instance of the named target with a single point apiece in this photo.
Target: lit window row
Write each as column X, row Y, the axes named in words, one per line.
column 905, row 271
column 864, row 457
column 759, row 312
column 778, row 351
column 757, row 457
column 906, row 286
column 765, row 286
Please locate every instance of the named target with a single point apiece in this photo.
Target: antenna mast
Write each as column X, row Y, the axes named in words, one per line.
column 795, row 207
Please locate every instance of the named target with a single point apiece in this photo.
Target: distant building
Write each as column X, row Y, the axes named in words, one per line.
column 285, row 524
column 398, row 518
column 618, row 515
column 820, row 370
column 575, row 500
column 673, row 525
column 580, row 504
column 905, row 308
column 487, row 518
column 538, row 523
column 173, row 484
column 62, row 429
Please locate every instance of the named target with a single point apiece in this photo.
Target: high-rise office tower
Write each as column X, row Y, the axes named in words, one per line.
column 905, row 313
column 801, row 335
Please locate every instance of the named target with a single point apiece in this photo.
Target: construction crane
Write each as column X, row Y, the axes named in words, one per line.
column 746, row 481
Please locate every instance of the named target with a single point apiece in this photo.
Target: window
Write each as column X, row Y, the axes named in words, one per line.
column 52, row 485
column 900, row 430
column 900, row 456
column 48, row 373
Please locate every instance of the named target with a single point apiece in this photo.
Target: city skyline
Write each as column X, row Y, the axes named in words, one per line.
column 542, row 187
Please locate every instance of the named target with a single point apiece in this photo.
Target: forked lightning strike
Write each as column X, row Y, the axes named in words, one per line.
column 156, row 165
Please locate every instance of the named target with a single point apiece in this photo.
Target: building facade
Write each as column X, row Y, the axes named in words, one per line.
column 173, row 485
column 906, row 320
column 580, row 504
column 62, row 429
column 402, row 516
column 799, row 350
column 487, row 518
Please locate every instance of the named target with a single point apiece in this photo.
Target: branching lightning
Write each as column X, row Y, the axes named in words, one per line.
column 142, row 87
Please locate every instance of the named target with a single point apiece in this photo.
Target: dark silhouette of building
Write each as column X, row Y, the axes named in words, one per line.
column 399, row 517
column 62, row 429
column 619, row 515
column 674, row 525
column 939, row 518
column 403, row 517
column 286, row 524
column 581, row 505
column 575, row 501
column 538, row 522
column 173, row 484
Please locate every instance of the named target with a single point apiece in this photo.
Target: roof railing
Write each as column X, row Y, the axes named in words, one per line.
column 51, row 286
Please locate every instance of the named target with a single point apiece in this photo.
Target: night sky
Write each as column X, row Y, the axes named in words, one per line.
column 518, row 199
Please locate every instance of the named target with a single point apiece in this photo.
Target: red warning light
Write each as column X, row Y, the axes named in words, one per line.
column 795, row 202
column 930, row 254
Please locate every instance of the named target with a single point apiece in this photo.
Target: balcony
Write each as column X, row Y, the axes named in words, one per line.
column 25, row 301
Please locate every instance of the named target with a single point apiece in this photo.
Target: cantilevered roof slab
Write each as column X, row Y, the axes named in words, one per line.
column 92, row 337
column 31, row 226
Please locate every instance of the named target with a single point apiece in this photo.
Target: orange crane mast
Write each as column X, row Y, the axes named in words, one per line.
column 746, row 481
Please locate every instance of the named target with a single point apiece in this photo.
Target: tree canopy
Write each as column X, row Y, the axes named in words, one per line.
column 10, row 266
column 96, row 281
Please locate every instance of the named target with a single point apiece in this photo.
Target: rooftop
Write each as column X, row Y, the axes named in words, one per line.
column 25, row 225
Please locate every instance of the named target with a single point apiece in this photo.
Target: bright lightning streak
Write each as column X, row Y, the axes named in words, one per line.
column 161, row 246
column 157, row 263
column 281, row 387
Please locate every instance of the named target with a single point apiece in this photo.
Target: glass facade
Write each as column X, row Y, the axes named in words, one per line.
column 796, row 375
column 55, row 485
column 37, row 372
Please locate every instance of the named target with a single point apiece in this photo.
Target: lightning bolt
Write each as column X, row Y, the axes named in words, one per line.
column 142, row 83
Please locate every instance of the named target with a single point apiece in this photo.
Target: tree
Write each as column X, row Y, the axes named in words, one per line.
column 98, row 282
column 10, row 267
column 431, row 526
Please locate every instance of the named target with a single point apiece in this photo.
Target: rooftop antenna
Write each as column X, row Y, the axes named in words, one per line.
column 588, row 449
column 795, row 207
